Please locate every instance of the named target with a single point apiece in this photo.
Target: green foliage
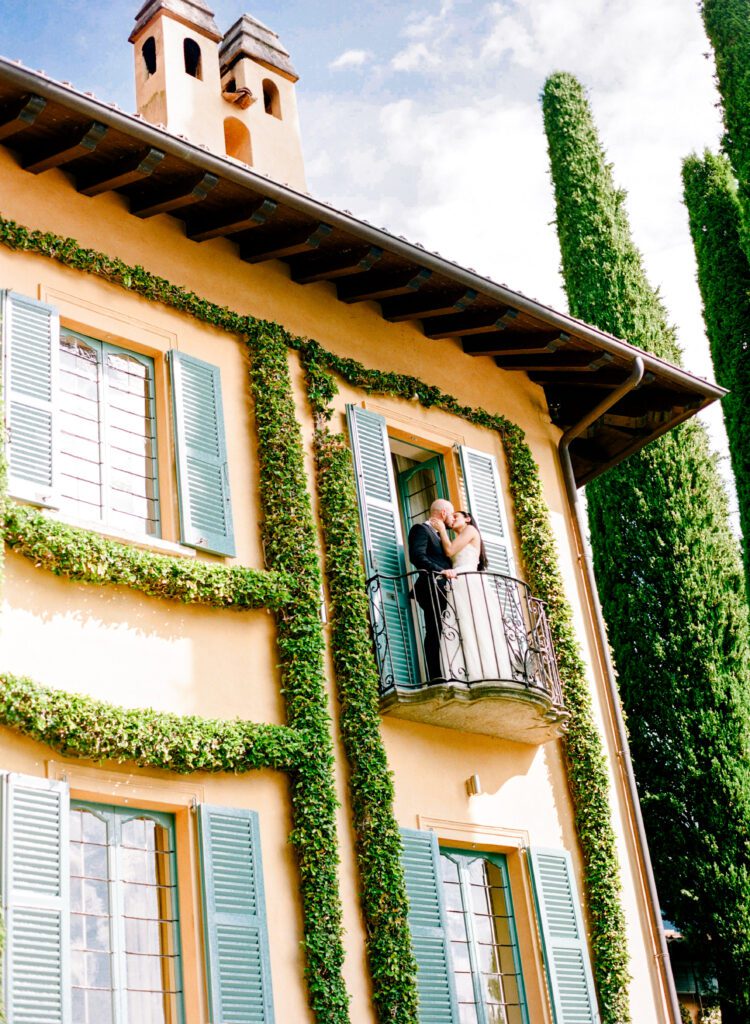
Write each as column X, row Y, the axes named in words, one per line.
column 724, row 280
column 90, row 558
column 289, row 538
column 670, row 580
column 383, row 894
column 587, row 769
column 727, row 24
column 78, row 726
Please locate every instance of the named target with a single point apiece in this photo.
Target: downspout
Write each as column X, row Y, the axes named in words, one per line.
column 634, row 379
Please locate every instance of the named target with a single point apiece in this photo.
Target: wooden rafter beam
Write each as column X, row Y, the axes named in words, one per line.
column 577, row 378
column 515, row 343
column 580, row 360
column 328, row 265
column 456, row 325
column 277, row 248
column 176, row 198
column 253, row 216
column 58, row 156
column 373, row 287
column 20, row 116
column 415, row 307
column 121, row 174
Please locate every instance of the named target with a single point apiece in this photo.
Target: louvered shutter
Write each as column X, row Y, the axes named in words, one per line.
column 393, row 624
column 234, row 917
column 565, row 951
column 485, row 496
column 31, row 348
column 427, row 923
column 202, row 470
column 35, row 899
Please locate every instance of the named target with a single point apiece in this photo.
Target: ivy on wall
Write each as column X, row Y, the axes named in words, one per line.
column 90, row 558
column 78, row 726
column 378, row 841
column 289, row 535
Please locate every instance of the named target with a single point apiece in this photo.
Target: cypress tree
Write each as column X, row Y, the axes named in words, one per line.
column 727, row 25
column 724, row 279
column 670, row 581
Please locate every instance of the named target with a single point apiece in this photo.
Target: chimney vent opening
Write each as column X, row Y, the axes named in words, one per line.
column 237, row 140
column 192, row 53
column 148, row 52
column 271, row 98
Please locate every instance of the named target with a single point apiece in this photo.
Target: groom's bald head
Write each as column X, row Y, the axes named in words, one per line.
column 441, row 509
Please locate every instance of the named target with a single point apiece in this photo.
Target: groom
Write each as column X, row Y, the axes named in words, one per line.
column 426, row 554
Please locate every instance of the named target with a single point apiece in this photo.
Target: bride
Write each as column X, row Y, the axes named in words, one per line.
column 473, row 644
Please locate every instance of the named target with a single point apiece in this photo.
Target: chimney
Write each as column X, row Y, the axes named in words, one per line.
column 235, row 95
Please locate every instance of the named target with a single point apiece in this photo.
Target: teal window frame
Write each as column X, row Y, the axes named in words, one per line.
column 462, row 857
column 105, row 348
column 114, row 816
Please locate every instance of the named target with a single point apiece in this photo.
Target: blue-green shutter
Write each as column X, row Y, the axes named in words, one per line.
column 31, row 351
column 485, row 497
column 427, row 923
column 234, row 917
column 35, row 899
column 566, row 954
column 384, row 547
column 202, row 469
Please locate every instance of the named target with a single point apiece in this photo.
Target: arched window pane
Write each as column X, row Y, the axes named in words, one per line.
column 484, row 949
column 124, row 920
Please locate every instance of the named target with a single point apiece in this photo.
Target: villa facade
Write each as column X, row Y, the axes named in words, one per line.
column 227, row 404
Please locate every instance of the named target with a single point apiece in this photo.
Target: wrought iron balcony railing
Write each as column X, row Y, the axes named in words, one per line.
column 481, row 627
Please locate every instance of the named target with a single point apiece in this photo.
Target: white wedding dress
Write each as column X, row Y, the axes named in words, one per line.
column 473, row 644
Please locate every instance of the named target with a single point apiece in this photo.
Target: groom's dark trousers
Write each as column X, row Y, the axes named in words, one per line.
column 426, row 554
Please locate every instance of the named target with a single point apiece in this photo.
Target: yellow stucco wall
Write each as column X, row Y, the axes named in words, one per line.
column 134, row 650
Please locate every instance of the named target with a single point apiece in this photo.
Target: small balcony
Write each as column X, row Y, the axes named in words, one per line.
column 473, row 654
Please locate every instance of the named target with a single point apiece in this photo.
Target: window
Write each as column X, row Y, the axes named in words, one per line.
column 464, row 935
column 108, row 434
column 192, row 55
column 82, row 428
column 125, row 948
column 89, row 897
column 483, row 944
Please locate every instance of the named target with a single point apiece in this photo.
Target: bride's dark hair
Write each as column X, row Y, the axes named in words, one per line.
column 484, row 561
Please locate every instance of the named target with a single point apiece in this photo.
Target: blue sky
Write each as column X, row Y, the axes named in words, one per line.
column 423, row 116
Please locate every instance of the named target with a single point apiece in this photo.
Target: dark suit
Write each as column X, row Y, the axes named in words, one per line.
column 426, row 554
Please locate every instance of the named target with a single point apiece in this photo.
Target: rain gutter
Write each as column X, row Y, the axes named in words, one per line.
column 623, row 751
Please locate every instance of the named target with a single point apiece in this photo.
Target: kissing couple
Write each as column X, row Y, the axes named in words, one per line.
column 463, row 624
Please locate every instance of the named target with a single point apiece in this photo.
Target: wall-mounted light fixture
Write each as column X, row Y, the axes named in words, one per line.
column 473, row 785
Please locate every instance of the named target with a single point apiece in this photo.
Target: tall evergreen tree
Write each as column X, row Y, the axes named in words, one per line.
column 724, row 279
column 727, row 25
column 670, row 580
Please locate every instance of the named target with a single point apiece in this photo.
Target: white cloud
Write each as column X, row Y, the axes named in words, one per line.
column 414, row 57
column 350, row 59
